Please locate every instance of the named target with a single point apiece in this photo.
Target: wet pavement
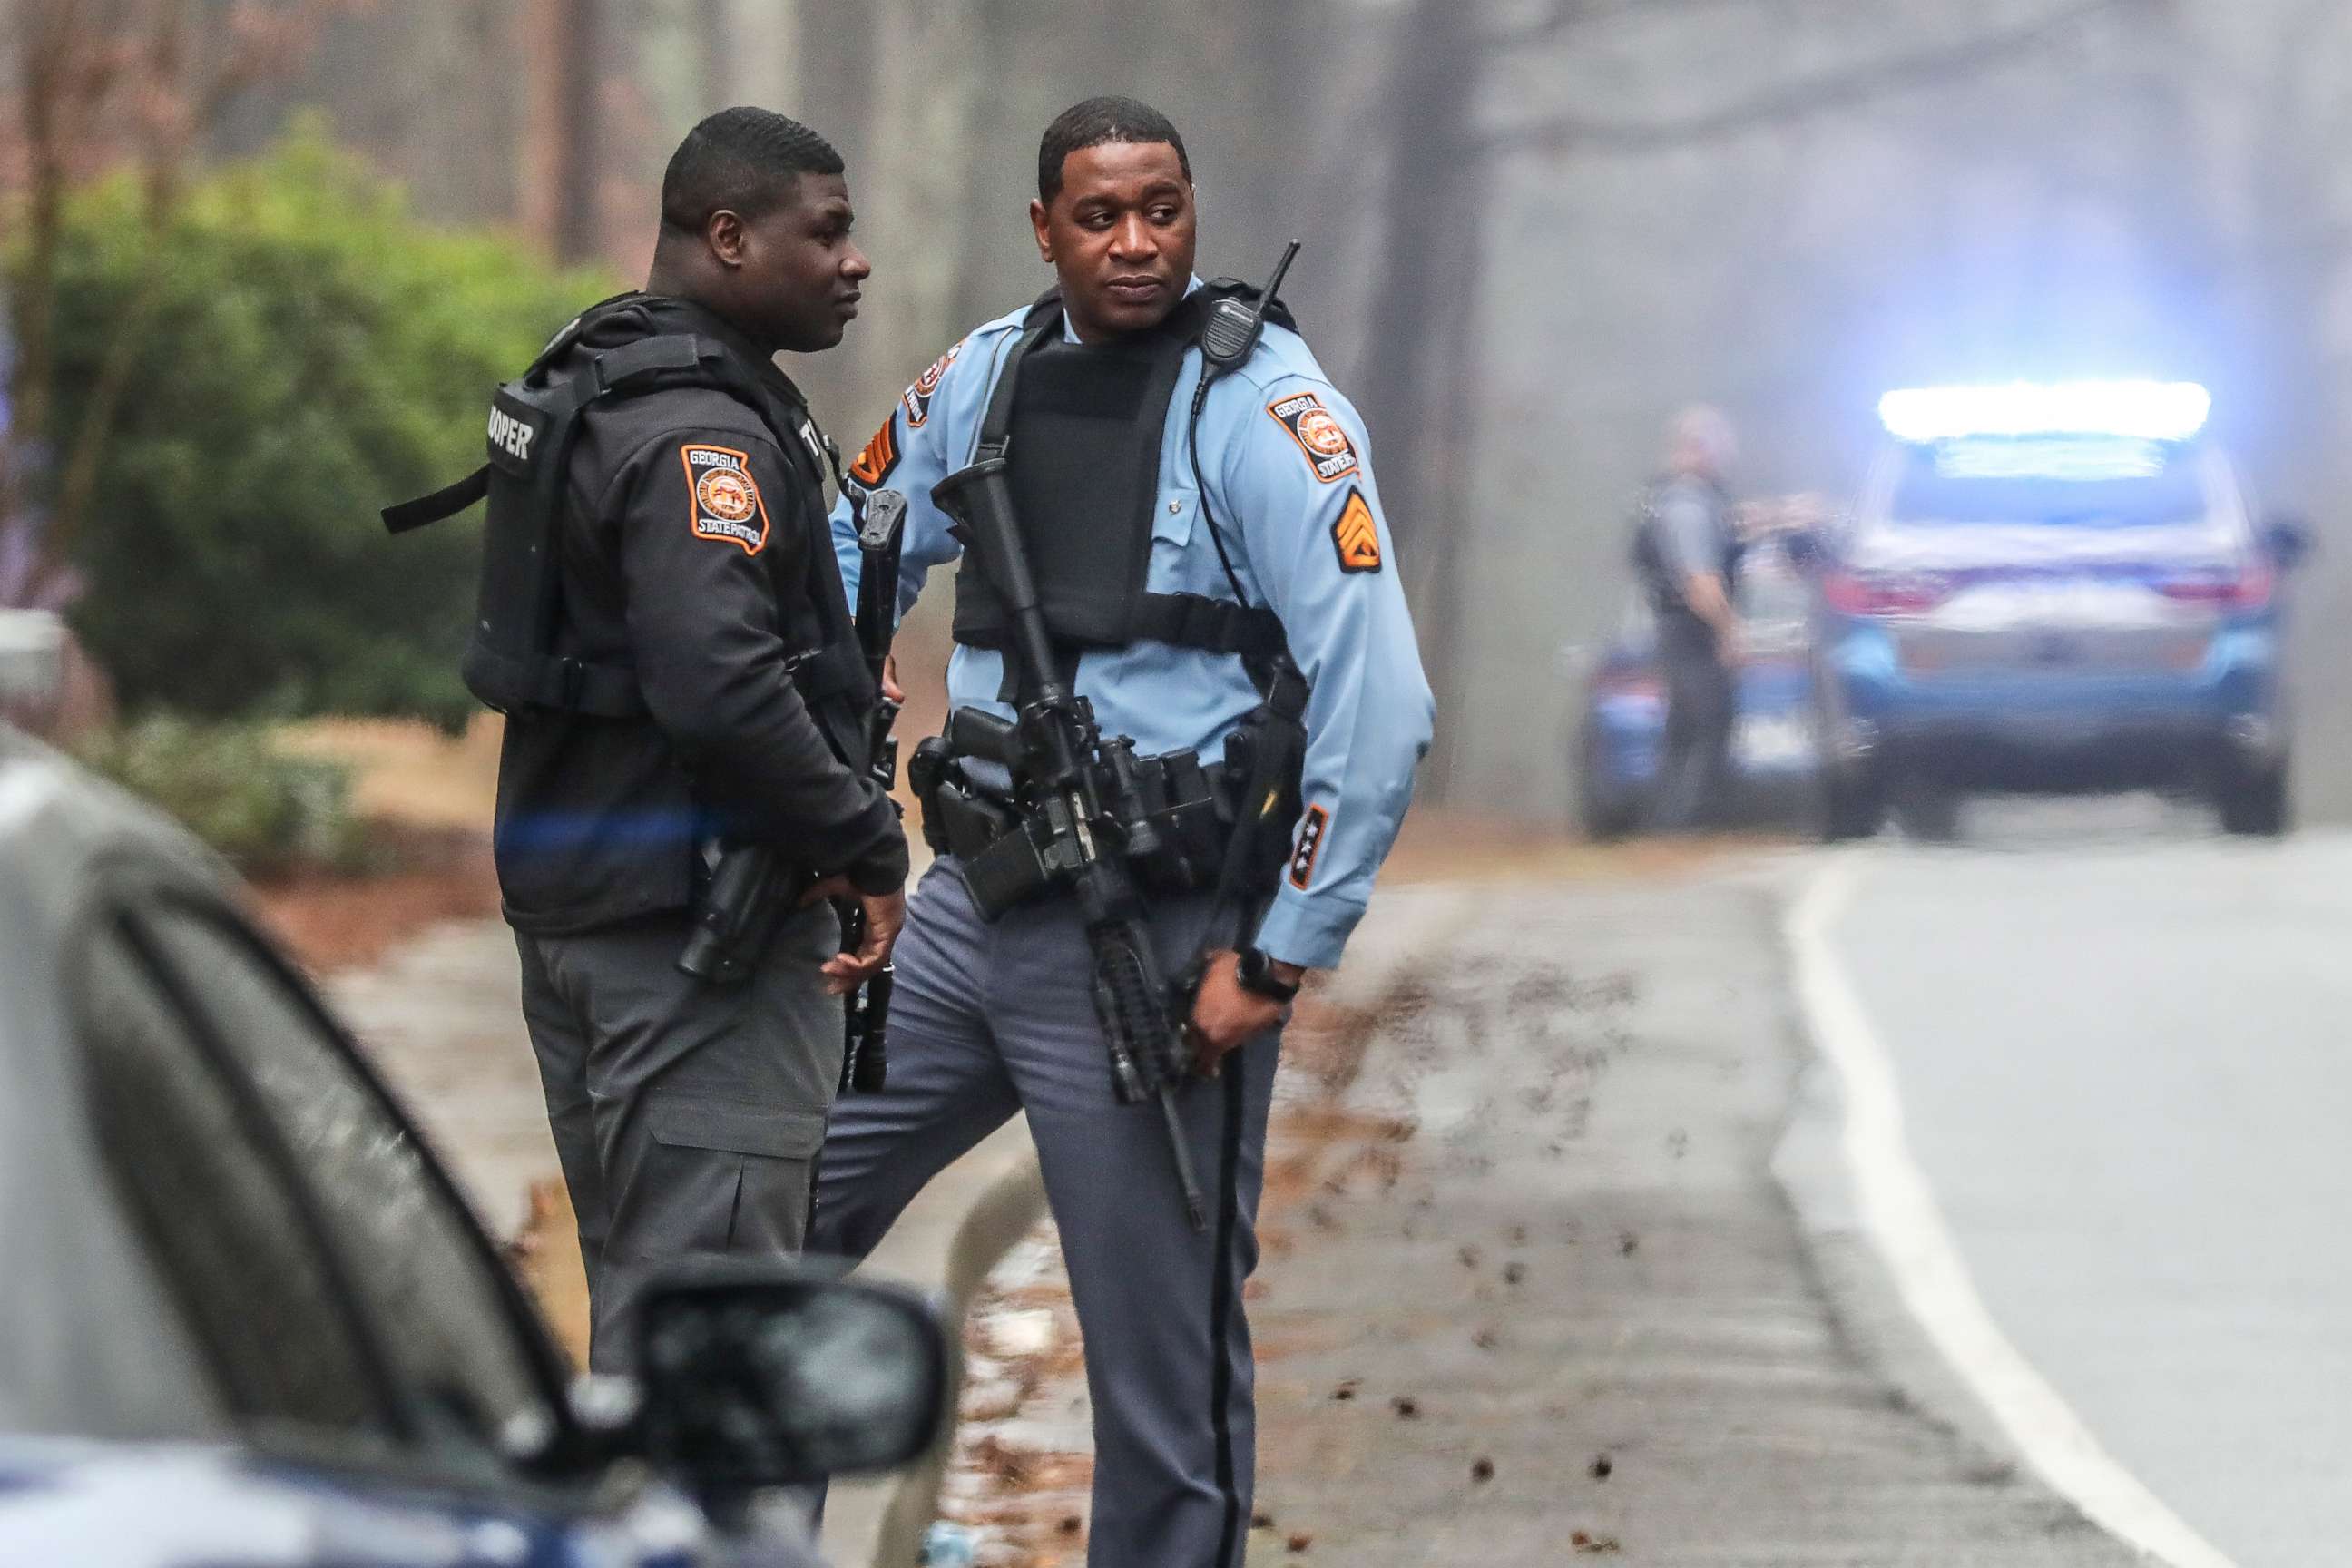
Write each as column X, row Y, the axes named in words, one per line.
column 2160, row 1069
column 440, row 1015
column 1531, row 1291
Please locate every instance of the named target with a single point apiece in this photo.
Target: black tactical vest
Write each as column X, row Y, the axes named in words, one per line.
column 1085, row 426
column 1657, row 574
column 511, row 661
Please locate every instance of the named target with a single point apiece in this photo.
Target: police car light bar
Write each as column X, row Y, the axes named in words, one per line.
column 2149, row 410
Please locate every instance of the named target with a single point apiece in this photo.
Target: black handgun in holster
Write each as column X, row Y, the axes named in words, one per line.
column 740, row 895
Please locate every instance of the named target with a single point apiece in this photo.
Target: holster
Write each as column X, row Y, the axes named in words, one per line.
column 1190, row 808
column 738, row 897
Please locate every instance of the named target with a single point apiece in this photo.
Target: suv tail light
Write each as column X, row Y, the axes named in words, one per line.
column 2248, row 588
column 1634, row 683
column 1855, row 594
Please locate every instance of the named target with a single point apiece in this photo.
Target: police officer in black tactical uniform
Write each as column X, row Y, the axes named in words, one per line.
column 686, row 683
column 1688, row 552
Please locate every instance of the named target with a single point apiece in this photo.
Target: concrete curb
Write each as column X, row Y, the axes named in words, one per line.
column 946, row 1243
column 1002, row 1215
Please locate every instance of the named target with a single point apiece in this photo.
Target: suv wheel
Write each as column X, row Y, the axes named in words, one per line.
column 1605, row 815
column 2255, row 804
column 1853, row 805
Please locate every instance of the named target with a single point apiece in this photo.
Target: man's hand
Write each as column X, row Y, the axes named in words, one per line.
column 1226, row 1016
column 885, row 913
column 890, row 687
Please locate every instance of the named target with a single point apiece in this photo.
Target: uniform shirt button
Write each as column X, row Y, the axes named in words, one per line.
column 1174, row 507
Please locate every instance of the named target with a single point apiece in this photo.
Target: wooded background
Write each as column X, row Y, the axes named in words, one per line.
column 1532, row 229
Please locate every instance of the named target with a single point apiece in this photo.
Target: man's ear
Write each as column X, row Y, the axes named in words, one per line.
column 1039, row 221
column 723, row 233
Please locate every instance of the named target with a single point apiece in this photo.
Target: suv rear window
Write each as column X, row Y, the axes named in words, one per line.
column 2073, row 482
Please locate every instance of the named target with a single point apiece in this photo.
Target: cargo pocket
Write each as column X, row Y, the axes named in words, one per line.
column 732, row 1178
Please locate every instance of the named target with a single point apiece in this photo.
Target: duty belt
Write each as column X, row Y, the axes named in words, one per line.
column 963, row 781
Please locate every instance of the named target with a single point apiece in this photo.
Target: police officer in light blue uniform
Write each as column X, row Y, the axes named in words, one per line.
column 1272, row 530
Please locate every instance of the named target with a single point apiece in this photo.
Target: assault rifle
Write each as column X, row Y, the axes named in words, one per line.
column 1078, row 792
column 865, row 1061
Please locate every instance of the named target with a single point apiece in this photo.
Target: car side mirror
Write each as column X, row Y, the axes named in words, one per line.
column 2287, row 541
column 756, row 1376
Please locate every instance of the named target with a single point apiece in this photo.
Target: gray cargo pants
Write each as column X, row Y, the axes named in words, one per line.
column 687, row 1116
column 991, row 1019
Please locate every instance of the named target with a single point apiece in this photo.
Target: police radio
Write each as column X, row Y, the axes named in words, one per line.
column 1233, row 328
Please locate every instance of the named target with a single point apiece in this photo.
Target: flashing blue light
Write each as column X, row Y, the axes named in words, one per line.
column 2149, row 410
column 2060, row 458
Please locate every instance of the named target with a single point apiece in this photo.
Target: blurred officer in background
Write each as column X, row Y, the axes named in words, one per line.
column 1687, row 549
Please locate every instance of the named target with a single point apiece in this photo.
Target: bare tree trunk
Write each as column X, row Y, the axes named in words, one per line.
column 916, row 180
column 580, row 55
column 43, row 89
column 832, row 70
column 718, row 40
column 1414, row 370
column 835, row 67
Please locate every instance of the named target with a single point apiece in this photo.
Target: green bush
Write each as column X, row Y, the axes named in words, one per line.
column 269, row 812
column 313, row 353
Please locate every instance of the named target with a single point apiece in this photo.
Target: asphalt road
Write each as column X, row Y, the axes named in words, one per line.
column 2118, row 1044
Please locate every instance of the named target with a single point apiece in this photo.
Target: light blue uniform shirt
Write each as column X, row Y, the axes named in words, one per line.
column 1283, row 461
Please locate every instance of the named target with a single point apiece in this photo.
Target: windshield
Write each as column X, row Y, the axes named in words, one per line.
column 2075, row 482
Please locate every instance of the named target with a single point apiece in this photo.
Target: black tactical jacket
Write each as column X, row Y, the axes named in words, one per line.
column 694, row 538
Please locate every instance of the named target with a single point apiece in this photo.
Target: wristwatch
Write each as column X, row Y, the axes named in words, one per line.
column 1256, row 972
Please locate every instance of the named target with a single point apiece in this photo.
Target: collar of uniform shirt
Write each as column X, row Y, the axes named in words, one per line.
column 1070, row 330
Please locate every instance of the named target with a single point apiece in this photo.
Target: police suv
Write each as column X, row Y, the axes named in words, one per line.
column 2052, row 588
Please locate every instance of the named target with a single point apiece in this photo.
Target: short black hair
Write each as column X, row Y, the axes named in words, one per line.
column 1096, row 123
column 745, row 159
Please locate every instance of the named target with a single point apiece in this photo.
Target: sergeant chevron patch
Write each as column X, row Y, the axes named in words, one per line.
column 1356, row 535
column 881, row 455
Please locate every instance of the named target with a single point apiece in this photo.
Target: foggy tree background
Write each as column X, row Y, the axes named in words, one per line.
column 1532, row 229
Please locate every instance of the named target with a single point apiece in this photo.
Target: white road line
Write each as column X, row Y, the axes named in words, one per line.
column 1898, row 1211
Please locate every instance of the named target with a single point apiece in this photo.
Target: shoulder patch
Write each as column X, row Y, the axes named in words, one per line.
column 1312, row 830
column 1357, row 535
column 727, row 503
column 1328, row 451
column 881, row 455
column 918, row 397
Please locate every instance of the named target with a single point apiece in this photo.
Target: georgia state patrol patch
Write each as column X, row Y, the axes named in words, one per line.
column 918, row 397
column 880, row 455
column 1319, row 434
column 1311, row 833
column 726, row 501
column 1356, row 535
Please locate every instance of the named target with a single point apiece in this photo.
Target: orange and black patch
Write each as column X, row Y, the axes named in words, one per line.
column 1356, row 535
column 1312, row 831
column 880, row 455
column 1321, row 437
column 724, row 499
column 918, row 397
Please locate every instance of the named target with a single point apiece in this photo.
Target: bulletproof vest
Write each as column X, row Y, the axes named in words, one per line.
column 1658, row 577
column 1085, row 424
column 512, row 662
